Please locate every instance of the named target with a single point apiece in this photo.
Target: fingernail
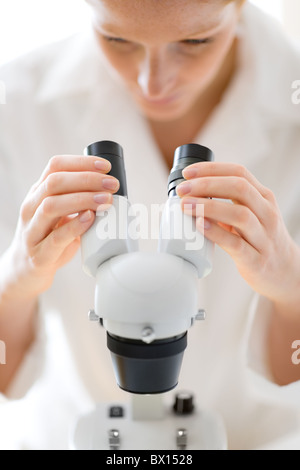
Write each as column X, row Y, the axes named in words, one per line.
column 184, row 188
column 110, row 183
column 190, row 173
column 102, row 165
column 86, row 217
column 102, row 198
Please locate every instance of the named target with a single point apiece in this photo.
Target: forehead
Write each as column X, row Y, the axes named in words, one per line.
column 162, row 17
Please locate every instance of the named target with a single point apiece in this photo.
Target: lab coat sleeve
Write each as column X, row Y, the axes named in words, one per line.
column 33, row 363
column 31, row 368
column 260, row 315
column 257, row 339
column 256, row 356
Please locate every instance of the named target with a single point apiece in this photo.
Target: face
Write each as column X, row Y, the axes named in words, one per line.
column 167, row 53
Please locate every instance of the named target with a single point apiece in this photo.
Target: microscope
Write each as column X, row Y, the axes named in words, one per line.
column 147, row 302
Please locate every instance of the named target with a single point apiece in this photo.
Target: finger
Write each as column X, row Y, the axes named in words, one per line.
column 75, row 163
column 238, row 248
column 54, row 208
column 237, row 189
column 230, row 216
column 223, row 169
column 51, row 249
column 68, row 253
column 68, row 183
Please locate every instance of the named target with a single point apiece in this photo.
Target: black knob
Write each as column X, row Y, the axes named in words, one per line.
column 184, row 403
column 116, row 412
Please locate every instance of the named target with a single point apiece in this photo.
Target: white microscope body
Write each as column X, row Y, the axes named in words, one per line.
column 147, row 302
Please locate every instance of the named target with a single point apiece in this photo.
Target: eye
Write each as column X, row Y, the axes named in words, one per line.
column 196, row 42
column 120, row 45
column 116, row 40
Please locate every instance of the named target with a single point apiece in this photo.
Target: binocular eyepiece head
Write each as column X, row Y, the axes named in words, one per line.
column 139, row 367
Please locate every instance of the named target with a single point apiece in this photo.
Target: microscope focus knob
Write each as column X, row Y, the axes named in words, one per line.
column 184, row 403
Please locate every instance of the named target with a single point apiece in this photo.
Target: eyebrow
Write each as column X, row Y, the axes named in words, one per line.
column 207, row 32
column 108, row 30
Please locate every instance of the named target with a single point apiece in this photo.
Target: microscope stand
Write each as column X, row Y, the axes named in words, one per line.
column 147, row 423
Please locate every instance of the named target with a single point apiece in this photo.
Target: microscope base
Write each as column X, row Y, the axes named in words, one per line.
column 162, row 429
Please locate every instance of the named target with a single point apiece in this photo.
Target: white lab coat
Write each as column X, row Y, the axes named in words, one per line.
column 59, row 99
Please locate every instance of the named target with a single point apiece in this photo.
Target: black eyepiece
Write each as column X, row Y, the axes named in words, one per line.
column 185, row 156
column 112, row 152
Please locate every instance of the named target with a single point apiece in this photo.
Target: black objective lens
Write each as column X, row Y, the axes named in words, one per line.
column 147, row 368
column 112, row 152
column 185, row 156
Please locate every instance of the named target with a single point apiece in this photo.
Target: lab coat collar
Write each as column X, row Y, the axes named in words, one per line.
column 275, row 65
column 255, row 105
column 72, row 69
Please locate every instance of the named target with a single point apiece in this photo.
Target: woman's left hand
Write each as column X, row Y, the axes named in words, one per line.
column 250, row 229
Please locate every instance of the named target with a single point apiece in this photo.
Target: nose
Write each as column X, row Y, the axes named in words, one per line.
column 156, row 76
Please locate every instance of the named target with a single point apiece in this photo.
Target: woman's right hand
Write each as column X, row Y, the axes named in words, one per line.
column 57, row 211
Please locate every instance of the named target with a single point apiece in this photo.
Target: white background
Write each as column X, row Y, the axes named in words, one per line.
column 27, row 24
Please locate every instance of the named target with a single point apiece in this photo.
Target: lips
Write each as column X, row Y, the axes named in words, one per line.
column 159, row 102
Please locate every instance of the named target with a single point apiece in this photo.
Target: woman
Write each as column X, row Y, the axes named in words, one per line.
column 157, row 75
